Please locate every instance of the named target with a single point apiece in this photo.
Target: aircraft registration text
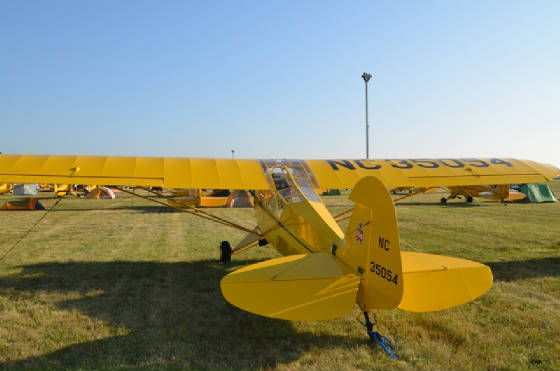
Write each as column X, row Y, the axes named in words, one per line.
column 384, row 243
column 412, row 163
column 383, row 272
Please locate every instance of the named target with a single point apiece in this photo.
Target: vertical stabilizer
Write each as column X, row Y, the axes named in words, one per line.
column 373, row 247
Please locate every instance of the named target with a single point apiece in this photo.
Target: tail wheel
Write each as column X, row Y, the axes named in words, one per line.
column 225, row 252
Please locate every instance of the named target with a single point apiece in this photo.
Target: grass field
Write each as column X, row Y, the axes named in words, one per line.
column 122, row 284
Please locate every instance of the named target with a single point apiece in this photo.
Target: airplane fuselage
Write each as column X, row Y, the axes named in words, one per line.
column 292, row 216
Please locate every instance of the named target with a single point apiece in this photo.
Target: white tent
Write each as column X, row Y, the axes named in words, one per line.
column 25, row 189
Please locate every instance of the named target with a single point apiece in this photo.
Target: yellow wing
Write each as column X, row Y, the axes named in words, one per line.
column 138, row 171
column 341, row 174
column 248, row 174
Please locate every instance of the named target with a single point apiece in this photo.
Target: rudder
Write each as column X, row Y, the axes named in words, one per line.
column 373, row 246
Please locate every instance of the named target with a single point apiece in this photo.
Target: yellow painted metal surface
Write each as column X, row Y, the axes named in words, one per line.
column 297, row 288
column 436, row 282
column 515, row 195
column 5, row 188
column 495, row 192
column 317, row 227
column 373, row 246
column 63, row 189
column 296, row 228
column 206, row 201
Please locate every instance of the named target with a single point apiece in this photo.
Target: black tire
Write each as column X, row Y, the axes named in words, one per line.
column 469, row 199
column 225, row 252
column 443, row 200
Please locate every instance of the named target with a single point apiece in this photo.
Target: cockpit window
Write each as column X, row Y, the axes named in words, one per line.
column 277, row 172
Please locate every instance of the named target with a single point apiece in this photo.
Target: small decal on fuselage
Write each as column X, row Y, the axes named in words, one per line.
column 359, row 233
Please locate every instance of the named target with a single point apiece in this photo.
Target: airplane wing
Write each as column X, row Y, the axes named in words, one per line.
column 165, row 172
column 342, row 174
column 172, row 172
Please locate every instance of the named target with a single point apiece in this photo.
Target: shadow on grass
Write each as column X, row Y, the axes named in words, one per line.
column 175, row 315
column 520, row 269
column 439, row 204
column 138, row 208
column 425, row 203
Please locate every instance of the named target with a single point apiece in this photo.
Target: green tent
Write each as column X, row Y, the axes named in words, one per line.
column 538, row 192
column 332, row 192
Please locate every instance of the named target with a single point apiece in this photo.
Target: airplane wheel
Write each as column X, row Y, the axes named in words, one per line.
column 225, row 252
column 469, row 198
column 443, row 200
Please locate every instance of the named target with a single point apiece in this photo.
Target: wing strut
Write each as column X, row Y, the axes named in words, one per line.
column 188, row 209
column 421, row 190
column 339, row 217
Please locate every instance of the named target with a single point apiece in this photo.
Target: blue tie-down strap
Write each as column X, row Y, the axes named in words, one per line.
column 381, row 340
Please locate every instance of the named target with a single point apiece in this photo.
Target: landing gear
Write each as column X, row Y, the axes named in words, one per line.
column 225, row 252
column 377, row 337
column 469, row 199
column 443, row 200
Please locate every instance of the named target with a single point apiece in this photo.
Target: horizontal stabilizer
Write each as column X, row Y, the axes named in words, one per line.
column 436, row 282
column 297, row 287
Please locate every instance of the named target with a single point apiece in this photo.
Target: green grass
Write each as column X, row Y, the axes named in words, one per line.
column 123, row 284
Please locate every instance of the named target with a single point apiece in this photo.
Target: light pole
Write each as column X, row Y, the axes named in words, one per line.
column 366, row 76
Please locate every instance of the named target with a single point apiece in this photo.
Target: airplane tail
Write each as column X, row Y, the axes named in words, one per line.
column 373, row 246
column 306, row 287
column 367, row 268
column 411, row 281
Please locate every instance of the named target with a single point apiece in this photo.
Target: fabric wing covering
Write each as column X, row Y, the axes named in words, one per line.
column 135, row 171
column 343, row 174
column 171, row 172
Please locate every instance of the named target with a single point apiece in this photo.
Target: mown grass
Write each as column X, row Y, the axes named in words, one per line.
column 123, row 284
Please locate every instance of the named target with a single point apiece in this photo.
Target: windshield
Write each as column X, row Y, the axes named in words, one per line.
column 277, row 173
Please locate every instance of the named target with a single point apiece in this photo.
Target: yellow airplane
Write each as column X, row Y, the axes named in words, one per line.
column 210, row 198
column 5, row 188
column 324, row 271
column 499, row 192
column 63, row 189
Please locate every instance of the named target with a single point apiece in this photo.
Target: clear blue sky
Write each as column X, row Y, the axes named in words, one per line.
column 281, row 79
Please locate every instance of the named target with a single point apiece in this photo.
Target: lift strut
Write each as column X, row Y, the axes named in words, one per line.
column 187, row 209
